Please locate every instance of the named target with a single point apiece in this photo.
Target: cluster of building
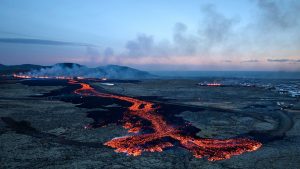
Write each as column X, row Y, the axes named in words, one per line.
column 291, row 88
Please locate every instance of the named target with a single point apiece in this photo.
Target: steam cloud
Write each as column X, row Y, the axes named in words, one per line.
column 214, row 30
column 75, row 70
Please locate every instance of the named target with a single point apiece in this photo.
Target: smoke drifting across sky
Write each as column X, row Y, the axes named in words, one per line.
column 261, row 35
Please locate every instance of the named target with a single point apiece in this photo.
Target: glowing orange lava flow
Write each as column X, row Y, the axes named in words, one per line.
column 214, row 149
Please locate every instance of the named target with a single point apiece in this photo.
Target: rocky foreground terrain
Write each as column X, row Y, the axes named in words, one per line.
column 43, row 132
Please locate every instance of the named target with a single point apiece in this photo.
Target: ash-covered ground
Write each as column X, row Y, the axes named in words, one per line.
column 49, row 131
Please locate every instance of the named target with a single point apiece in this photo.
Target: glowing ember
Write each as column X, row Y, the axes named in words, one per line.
column 21, row 76
column 133, row 127
column 214, row 149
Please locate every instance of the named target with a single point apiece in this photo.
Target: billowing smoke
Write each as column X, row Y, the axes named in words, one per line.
column 218, row 37
column 184, row 44
column 215, row 29
column 146, row 46
column 279, row 15
column 76, row 70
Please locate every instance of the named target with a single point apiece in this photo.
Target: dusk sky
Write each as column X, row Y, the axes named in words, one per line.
column 153, row 35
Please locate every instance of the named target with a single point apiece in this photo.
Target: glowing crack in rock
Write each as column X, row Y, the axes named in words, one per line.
column 213, row 149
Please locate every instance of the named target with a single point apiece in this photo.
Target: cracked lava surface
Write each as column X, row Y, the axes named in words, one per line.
column 213, row 149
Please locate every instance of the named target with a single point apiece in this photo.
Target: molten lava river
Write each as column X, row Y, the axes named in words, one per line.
column 213, row 149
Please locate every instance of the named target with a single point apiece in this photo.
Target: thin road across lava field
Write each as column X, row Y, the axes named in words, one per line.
column 213, row 149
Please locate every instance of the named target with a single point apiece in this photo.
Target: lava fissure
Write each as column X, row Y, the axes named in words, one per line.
column 213, row 149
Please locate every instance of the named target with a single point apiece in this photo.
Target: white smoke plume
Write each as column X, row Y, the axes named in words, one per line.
column 76, row 70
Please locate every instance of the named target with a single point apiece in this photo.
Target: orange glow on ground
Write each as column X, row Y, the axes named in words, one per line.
column 41, row 77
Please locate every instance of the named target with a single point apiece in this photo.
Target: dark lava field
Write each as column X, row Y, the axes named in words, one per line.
column 159, row 123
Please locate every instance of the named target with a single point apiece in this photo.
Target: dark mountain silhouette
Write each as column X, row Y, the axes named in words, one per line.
column 68, row 65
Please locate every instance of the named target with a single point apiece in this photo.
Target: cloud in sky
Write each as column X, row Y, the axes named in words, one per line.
column 250, row 61
column 284, row 60
column 40, row 42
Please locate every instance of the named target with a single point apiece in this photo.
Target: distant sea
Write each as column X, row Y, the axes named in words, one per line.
column 229, row 74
